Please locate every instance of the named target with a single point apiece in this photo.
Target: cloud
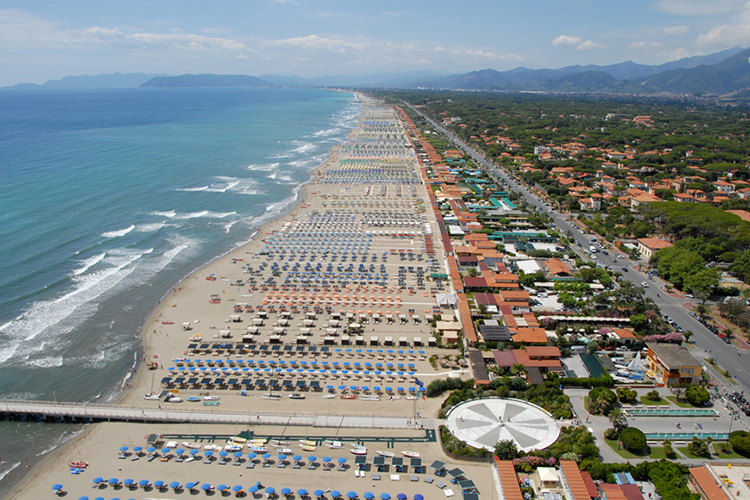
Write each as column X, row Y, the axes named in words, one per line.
column 698, row 7
column 726, row 36
column 645, row 45
column 676, row 30
column 574, row 41
column 565, row 40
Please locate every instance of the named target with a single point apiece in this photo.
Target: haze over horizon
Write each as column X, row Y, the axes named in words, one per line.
column 42, row 41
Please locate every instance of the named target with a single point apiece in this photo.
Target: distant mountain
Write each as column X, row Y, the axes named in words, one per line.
column 106, row 81
column 626, row 77
column 207, row 81
column 727, row 76
column 378, row 79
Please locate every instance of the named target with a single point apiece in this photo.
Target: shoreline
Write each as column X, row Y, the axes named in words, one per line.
column 163, row 338
column 121, row 393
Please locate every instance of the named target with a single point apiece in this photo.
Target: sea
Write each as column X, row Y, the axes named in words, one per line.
column 108, row 198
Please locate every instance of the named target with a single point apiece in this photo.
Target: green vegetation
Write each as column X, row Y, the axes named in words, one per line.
column 459, row 448
column 698, row 448
column 601, row 401
column 616, row 446
column 633, row 440
column 697, row 396
column 724, row 450
column 740, row 442
column 669, row 478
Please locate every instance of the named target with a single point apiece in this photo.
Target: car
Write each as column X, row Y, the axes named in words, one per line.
column 644, row 284
column 624, row 269
column 689, row 295
column 605, row 252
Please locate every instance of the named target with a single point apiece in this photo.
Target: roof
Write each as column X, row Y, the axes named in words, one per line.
column 673, row 355
column 708, row 486
column 511, row 490
column 543, row 351
column 556, row 267
column 504, row 359
column 478, row 366
column 654, row 243
column 530, row 335
column 575, row 481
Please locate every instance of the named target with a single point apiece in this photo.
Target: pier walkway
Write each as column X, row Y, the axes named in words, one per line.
column 97, row 412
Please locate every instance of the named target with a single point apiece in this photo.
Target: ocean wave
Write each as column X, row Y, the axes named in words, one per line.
column 204, row 214
column 190, row 190
column 118, row 233
column 168, row 213
column 265, row 167
column 304, row 147
column 229, row 225
column 89, row 263
column 7, row 471
column 53, row 318
column 327, row 132
column 150, row 228
column 46, row 362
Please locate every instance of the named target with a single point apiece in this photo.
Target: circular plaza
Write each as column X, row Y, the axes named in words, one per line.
column 482, row 423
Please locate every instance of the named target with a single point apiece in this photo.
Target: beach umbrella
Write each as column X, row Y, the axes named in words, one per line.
column 194, row 452
column 285, row 491
column 297, row 458
column 180, row 451
column 270, row 490
column 137, row 449
column 418, row 496
column 342, row 387
column 223, row 453
column 98, row 480
column 282, row 457
column 335, row 493
column 128, row 482
column 401, row 496
column 342, row 460
column 190, row 485
column 174, row 485
column 208, row 453
column 369, row 495
column 123, row 448
column 312, row 458
column 151, row 449
column 352, row 494
column 319, row 493
column 236, row 488
column 57, row 487
column 266, row 456
column 222, row 487
column 83, row 498
column 159, row 484
column 143, row 482
column 327, row 459
column 165, row 450
column 237, row 454
column 385, row 496
column 114, row 481
column 205, row 486
column 302, row 492
column 99, row 498
column 252, row 455
column 253, row 489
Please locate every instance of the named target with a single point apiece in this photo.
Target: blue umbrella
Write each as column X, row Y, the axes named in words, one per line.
column 401, row 496
column 190, row 485
column 223, row 453
column 327, row 459
column 319, row 493
column 208, row 453
column 137, row 449
column 151, row 449
column 342, row 460
column 282, row 457
column 385, row 496
column 194, row 452
column 352, row 494
column 266, row 456
column 165, row 450
column 312, row 458
column 368, row 495
column 114, row 480
column 143, row 482
column 237, row 454
column 123, row 448
column 174, row 485
column 252, row 455
column 98, row 480
column 159, row 484
column 237, row 488
column 83, row 498
column 270, row 490
column 99, row 498
column 297, row 458
column 335, row 493
column 180, row 451
column 302, row 492
column 285, row 491
column 418, row 497
column 252, row 489
column 205, row 486
column 56, row 487
column 128, row 482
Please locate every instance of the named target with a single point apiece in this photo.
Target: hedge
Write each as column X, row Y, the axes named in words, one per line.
column 633, row 439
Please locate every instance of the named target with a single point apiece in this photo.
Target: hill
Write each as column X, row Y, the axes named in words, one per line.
column 104, row 81
column 207, row 81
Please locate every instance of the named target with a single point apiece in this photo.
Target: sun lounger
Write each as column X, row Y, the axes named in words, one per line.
column 413, row 478
column 428, row 480
column 395, row 477
column 376, row 477
column 250, row 464
column 440, row 484
column 449, row 492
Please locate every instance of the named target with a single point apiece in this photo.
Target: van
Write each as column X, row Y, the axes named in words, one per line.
column 578, row 349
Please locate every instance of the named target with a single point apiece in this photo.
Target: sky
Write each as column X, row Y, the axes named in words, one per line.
column 42, row 39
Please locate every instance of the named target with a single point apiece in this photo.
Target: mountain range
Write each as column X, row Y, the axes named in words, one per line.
column 722, row 73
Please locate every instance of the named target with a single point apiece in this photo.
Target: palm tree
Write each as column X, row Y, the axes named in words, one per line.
column 517, row 369
column 617, row 417
column 702, row 310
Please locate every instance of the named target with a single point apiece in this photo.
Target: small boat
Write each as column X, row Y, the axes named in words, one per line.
column 238, row 440
column 358, row 451
column 210, row 398
column 193, row 399
column 388, row 454
column 284, row 449
column 78, row 465
column 306, row 442
column 233, row 447
column 211, row 277
column 256, row 449
column 348, row 396
column 258, row 441
column 167, row 322
column 334, row 444
column 211, row 403
column 410, row 454
column 307, row 448
column 153, row 396
column 212, row 447
column 276, row 442
column 296, row 396
column 277, row 397
column 329, row 396
column 190, row 445
column 174, row 400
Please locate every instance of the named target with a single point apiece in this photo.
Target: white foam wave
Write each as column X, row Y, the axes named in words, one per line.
column 89, row 263
column 327, row 132
column 168, row 213
column 52, row 318
column 204, row 214
column 118, row 233
column 229, row 225
column 46, row 362
column 266, row 167
column 9, row 470
column 304, row 147
column 200, row 188
column 149, row 228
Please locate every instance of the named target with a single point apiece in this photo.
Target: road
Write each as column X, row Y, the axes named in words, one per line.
column 707, row 345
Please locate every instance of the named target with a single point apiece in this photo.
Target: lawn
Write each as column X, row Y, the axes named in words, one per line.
column 680, row 403
column 684, row 451
column 724, row 450
column 657, row 453
column 660, row 401
column 612, row 443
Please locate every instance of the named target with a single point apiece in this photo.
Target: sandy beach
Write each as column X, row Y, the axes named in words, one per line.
column 326, row 312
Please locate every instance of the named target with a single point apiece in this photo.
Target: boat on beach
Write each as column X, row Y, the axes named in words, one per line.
column 192, row 446
column 307, row 448
column 78, row 465
column 334, row 444
column 388, row 454
column 152, row 397
column 358, row 451
column 410, row 454
column 307, row 442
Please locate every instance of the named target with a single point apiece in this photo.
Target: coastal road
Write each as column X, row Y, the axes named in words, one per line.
column 707, row 345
